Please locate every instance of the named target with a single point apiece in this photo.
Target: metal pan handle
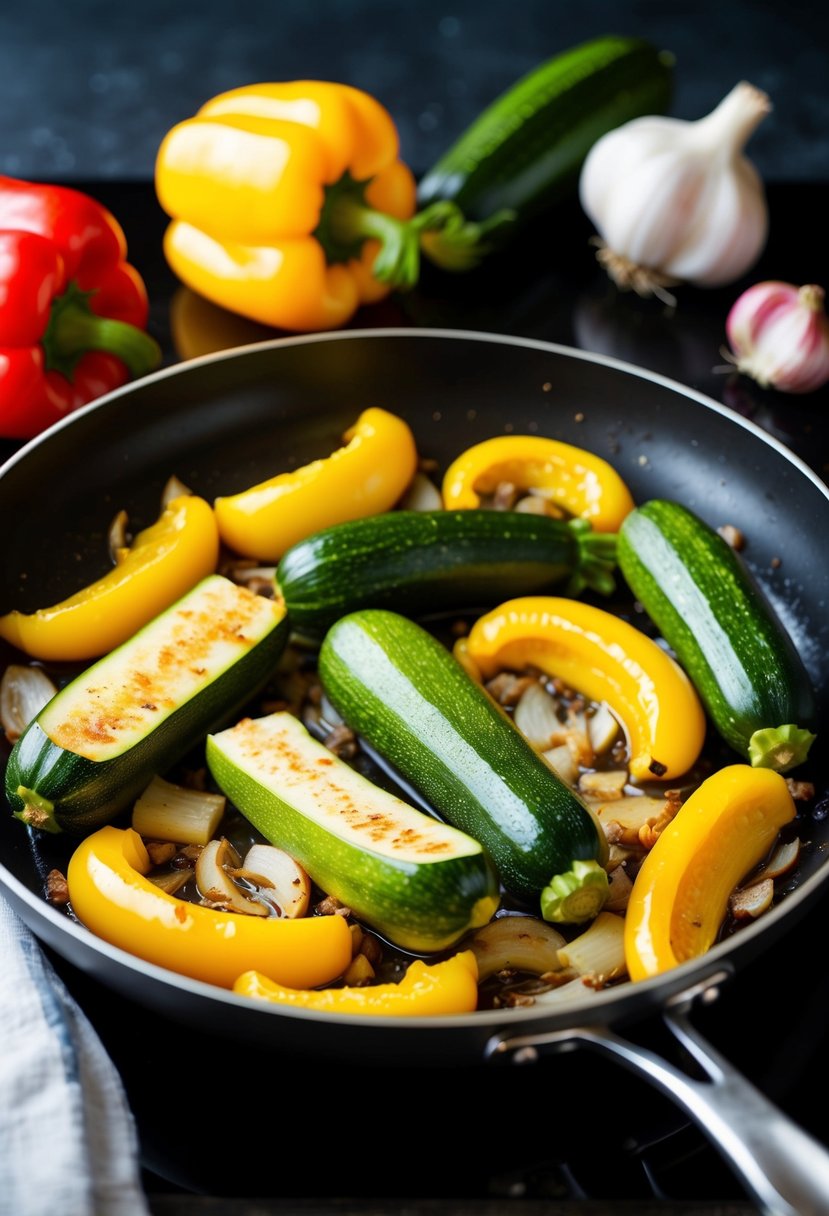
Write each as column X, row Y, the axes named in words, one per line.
column 783, row 1169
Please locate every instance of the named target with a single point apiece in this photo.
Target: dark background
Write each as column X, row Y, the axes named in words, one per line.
column 88, row 89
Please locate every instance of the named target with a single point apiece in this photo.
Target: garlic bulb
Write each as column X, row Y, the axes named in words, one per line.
column 779, row 336
column 676, row 201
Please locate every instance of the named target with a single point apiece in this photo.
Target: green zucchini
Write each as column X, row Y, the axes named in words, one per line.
column 419, row 882
column 526, row 150
column 100, row 740
column 724, row 631
column 410, row 699
column 420, row 562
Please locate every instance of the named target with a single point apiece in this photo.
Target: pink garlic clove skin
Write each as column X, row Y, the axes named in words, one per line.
column 779, row 336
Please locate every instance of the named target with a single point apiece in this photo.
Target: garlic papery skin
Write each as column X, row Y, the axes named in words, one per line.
column 779, row 336
column 675, row 201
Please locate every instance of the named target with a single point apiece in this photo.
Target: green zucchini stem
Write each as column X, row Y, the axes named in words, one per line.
column 596, row 560
column 577, row 895
column 779, row 747
column 38, row 812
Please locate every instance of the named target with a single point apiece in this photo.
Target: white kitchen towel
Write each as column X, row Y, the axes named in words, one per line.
column 68, row 1142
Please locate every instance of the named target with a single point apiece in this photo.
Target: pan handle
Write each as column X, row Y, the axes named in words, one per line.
column 783, row 1169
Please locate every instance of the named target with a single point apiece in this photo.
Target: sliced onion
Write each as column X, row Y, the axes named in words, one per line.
column 174, row 488
column 282, row 881
column 600, row 950
column 562, row 760
column 516, row 943
column 215, row 884
column 536, row 717
column 609, row 784
column 118, row 539
column 602, row 729
column 23, row 693
column 749, row 902
column 782, row 859
column 422, row 495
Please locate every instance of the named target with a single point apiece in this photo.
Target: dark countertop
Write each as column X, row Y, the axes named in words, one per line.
column 88, row 89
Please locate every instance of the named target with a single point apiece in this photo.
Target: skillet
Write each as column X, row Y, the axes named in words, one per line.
column 223, row 422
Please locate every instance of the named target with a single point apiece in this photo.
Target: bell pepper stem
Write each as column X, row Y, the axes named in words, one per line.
column 74, row 330
column 440, row 232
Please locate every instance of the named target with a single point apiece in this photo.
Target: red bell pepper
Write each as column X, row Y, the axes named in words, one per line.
column 73, row 311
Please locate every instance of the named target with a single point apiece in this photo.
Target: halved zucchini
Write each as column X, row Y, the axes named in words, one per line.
column 102, row 738
column 419, row 882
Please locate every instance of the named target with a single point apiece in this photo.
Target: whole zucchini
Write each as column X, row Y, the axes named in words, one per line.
column 100, row 740
column 723, row 630
column 433, row 561
column 525, row 151
column 411, row 700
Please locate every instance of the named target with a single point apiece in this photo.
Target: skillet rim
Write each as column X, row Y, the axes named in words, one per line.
column 608, row 1006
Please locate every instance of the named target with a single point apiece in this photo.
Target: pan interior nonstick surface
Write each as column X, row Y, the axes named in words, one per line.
column 222, row 423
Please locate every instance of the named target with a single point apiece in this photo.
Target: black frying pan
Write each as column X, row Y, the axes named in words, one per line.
column 225, row 421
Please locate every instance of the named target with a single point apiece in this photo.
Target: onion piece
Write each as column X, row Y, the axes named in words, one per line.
column 609, row 784
column 23, row 693
column 782, row 859
column 562, row 760
column 118, row 538
column 422, row 495
column 602, row 729
column 215, row 884
column 174, row 812
column 174, row 488
column 537, row 718
column 600, row 950
column 749, row 902
column 282, row 881
column 516, row 943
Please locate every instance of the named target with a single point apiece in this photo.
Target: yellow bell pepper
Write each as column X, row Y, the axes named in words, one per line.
column 110, row 895
column 290, row 204
column 163, row 562
column 426, row 989
column 576, row 480
column 680, row 895
column 364, row 477
column 606, row 659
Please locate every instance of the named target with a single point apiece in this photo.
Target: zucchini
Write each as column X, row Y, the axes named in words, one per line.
column 724, row 631
column 411, row 700
column 433, row 561
column 419, row 882
column 525, row 151
column 100, row 740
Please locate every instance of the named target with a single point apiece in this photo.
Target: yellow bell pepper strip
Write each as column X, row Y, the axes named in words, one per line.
column 576, row 480
column 364, row 477
column 163, row 562
column 110, row 896
column 425, row 990
column 606, row 659
column 290, row 204
column 680, row 894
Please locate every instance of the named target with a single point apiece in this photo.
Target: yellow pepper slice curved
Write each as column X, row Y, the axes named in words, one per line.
column 163, row 562
column 426, row 989
column 366, row 476
column 110, row 895
column 680, row 895
column 576, row 480
column 606, row 659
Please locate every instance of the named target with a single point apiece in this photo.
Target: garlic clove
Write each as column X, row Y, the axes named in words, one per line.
column 676, row 201
column 778, row 335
